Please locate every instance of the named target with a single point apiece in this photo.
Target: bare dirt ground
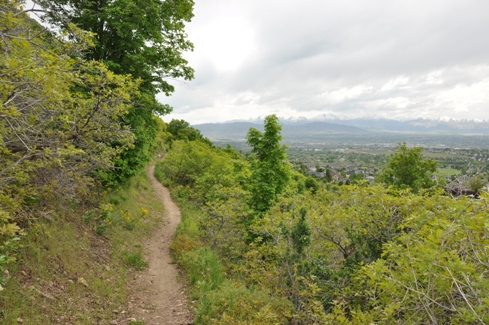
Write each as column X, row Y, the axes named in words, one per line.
column 161, row 299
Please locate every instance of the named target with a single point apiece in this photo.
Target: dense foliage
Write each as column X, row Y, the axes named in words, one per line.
column 145, row 39
column 355, row 254
column 408, row 169
column 269, row 165
column 69, row 118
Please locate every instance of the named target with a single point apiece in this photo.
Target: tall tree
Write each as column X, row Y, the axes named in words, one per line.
column 328, row 175
column 270, row 167
column 144, row 38
column 407, row 168
column 181, row 130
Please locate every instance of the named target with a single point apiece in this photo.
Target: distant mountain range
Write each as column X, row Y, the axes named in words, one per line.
column 441, row 125
column 238, row 130
column 329, row 124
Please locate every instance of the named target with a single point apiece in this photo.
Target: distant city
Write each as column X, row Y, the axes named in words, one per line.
column 336, row 132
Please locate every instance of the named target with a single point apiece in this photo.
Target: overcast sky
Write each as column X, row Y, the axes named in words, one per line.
column 397, row 58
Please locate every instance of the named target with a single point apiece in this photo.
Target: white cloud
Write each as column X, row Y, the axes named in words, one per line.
column 343, row 94
column 231, row 44
column 465, row 99
column 396, row 103
column 398, row 82
column 434, row 78
column 398, row 58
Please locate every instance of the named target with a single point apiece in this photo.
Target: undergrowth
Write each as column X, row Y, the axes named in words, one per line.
column 73, row 268
column 219, row 299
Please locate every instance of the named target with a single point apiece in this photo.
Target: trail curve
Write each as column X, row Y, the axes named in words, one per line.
column 163, row 301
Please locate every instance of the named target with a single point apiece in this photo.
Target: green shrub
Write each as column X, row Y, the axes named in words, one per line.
column 183, row 243
column 236, row 304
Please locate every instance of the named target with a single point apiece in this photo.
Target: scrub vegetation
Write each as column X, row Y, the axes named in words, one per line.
column 260, row 242
column 78, row 124
column 398, row 251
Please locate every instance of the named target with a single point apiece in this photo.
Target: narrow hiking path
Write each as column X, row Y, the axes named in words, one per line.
column 161, row 300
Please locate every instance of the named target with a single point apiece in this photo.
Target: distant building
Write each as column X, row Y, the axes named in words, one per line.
column 457, row 187
column 370, row 179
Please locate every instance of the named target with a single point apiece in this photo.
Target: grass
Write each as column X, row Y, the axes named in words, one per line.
column 135, row 259
column 443, row 172
column 69, row 273
column 218, row 300
column 136, row 322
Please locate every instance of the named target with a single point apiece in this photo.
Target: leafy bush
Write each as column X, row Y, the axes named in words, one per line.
column 440, row 266
column 331, row 254
column 59, row 122
column 235, row 304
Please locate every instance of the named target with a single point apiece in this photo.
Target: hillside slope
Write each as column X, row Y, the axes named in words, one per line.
column 84, row 265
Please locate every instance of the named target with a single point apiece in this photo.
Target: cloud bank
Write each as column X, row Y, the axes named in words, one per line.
column 398, row 58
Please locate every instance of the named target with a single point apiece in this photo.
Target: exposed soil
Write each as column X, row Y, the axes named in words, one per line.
column 160, row 298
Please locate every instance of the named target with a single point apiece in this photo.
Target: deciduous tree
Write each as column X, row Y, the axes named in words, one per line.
column 407, row 168
column 270, row 167
column 143, row 38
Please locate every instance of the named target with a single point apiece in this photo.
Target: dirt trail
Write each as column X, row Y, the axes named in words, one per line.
column 163, row 300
